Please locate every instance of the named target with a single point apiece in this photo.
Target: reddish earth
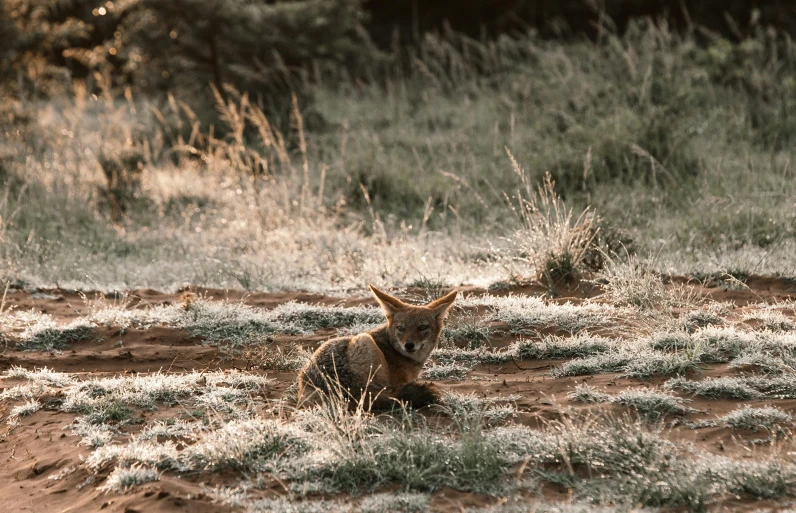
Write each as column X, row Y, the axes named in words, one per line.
column 39, row 447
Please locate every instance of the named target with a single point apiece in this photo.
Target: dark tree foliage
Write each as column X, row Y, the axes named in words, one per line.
column 566, row 18
column 260, row 46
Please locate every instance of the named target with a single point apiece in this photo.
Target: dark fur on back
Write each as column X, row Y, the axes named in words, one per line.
column 419, row 395
column 331, row 367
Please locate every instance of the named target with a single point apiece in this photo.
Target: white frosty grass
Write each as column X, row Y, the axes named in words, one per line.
column 465, row 407
column 23, row 410
column 725, row 387
column 650, row 404
column 236, row 323
column 103, row 400
column 332, row 450
column 169, row 429
column 451, row 355
column 26, row 391
column 36, row 331
column 767, row 418
column 122, row 479
column 399, row 502
column 663, row 353
column 446, row 371
column 557, row 348
column 765, row 363
column 215, row 321
column 672, row 353
column 527, row 314
column 92, row 434
column 771, row 317
column 738, row 387
column 146, row 391
column 237, row 444
column 588, row 395
column 43, row 375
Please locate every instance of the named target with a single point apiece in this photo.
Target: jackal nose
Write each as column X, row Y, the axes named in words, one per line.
column 410, row 346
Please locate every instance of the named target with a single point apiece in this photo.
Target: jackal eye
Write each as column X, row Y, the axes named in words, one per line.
column 400, row 329
column 423, row 327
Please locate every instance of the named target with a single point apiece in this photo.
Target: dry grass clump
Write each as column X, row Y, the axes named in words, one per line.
column 551, row 239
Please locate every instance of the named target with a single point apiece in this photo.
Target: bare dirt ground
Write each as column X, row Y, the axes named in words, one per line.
column 39, row 447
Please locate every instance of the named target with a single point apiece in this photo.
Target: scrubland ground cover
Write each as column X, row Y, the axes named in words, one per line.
column 555, row 404
column 618, row 216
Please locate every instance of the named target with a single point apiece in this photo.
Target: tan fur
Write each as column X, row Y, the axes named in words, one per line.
column 366, row 359
column 384, row 360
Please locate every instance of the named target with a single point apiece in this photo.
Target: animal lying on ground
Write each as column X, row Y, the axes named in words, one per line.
column 378, row 368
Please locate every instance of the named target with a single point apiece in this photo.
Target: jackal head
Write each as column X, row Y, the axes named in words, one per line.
column 414, row 330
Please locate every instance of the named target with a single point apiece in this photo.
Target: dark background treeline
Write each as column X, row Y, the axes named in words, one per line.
column 557, row 18
column 271, row 48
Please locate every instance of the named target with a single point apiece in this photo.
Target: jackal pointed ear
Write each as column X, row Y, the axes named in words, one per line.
column 442, row 305
column 389, row 304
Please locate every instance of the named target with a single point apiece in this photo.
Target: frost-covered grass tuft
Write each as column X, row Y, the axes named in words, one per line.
column 26, row 391
column 558, row 348
column 234, row 324
column 588, row 395
column 40, row 332
column 169, row 429
column 652, row 405
column 603, row 363
column 469, row 331
column 93, row 434
column 217, row 322
column 301, row 318
column 527, row 314
column 111, row 399
column 400, row 502
column 771, row 319
column 753, row 419
column 446, row 371
column 765, row 363
column 725, row 387
column 678, row 353
column 450, row 355
column 241, row 445
column 23, row 410
column 44, row 376
column 122, row 479
column 468, row 407
column 634, row 282
column 775, row 387
column 652, row 363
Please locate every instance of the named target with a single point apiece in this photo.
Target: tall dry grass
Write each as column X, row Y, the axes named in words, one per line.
column 682, row 143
